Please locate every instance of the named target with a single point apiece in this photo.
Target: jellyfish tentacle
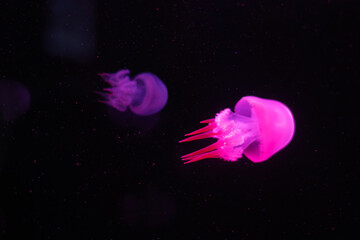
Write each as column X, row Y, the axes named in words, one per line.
column 209, row 148
column 199, row 136
column 202, row 130
column 122, row 75
column 105, row 76
column 211, row 120
column 212, row 154
column 210, row 151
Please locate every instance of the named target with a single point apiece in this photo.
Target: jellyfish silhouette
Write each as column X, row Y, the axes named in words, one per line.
column 145, row 94
column 258, row 129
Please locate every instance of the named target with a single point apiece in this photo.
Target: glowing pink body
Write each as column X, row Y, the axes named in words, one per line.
column 145, row 94
column 259, row 128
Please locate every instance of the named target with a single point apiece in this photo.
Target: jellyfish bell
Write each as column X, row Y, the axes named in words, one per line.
column 144, row 95
column 258, row 128
column 151, row 95
column 276, row 126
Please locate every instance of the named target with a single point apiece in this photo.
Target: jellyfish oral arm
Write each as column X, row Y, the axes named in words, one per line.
column 233, row 131
column 113, row 78
column 122, row 89
column 236, row 133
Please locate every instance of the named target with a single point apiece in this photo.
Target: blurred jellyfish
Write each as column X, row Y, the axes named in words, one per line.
column 145, row 94
column 258, row 128
column 14, row 100
column 70, row 31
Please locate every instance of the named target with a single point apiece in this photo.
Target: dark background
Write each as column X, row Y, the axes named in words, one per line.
column 73, row 168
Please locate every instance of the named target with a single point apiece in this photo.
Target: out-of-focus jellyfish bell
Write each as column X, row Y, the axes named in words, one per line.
column 259, row 128
column 14, row 100
column 145, row 94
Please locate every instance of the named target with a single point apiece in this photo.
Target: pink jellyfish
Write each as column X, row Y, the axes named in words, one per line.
column 259, row 128
column 145, row 94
